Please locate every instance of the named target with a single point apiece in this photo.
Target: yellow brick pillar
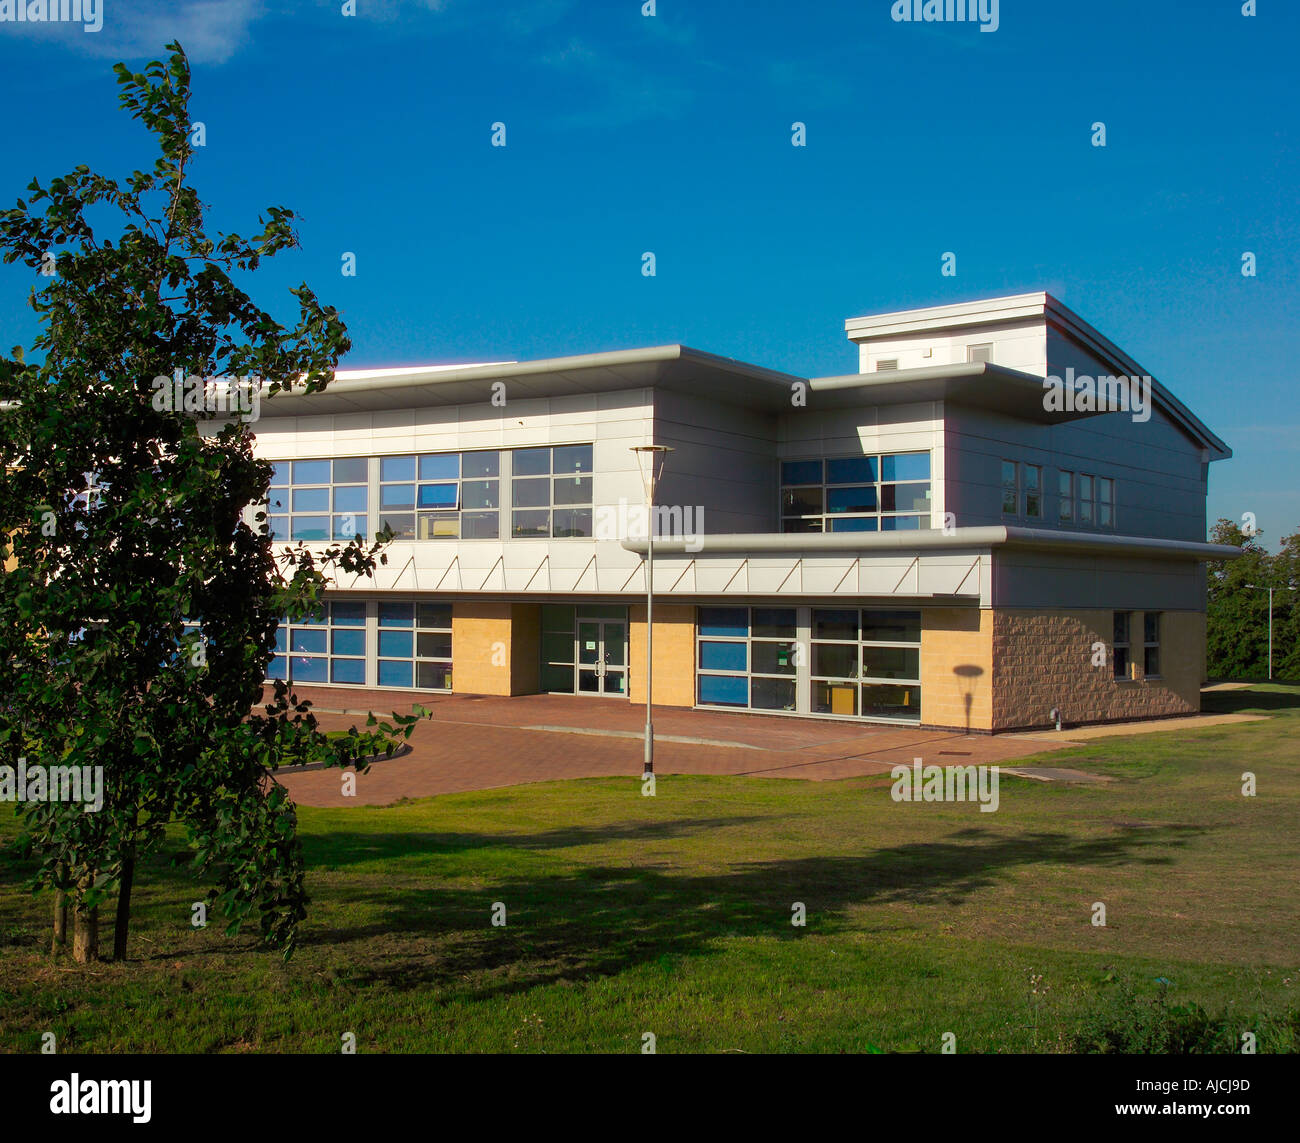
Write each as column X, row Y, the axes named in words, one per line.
column 957, row 667
column 481, row 648
column 674, row 654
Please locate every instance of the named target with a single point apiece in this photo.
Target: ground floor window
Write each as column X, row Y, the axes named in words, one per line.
column 328, row 647
column 866, row 664
column 415, row 645
column 746, row 657
column 406, row 643
column 849, row 662
column 1151, row 644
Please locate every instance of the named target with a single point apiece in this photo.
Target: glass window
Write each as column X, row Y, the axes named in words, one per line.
column 835, row 625
column 724, row 621
column 328, row 646
column 1120, row 644
column 311, row 472
column 415, row 645
column 1010, row 488
column 1105, row 502
column 905, row 466
column 440, row 466
column 1151, row 644
column 351, row 470
column 774, row 623
column 1085, row 499
column 532, row 461
column 1033, row 492
column 723, row 657
column 442, row 496
column 858, row 660
column 856, row 493
column 747, row 657
column 1065, row 496
column 397, row 468
column 552, row 492
column 851, row 470
column 801, row 472
column 304, row 492
column 572, row 458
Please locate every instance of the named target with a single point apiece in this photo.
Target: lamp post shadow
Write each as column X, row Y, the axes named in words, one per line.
column 968, row 671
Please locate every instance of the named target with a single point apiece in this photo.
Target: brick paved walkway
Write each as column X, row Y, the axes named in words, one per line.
column 475, row 743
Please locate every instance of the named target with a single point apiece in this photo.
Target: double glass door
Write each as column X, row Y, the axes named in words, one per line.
column 602, row 656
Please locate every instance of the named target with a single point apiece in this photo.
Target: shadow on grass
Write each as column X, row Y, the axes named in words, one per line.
column 1245, row 701
column 600, row 921
column 336, row 849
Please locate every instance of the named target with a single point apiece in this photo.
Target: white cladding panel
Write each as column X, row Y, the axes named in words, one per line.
column 1019, row 344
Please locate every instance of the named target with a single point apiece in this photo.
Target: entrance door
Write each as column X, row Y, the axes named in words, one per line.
column 602, row 657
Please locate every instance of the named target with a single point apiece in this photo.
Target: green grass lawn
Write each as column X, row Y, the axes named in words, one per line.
column 672, row 915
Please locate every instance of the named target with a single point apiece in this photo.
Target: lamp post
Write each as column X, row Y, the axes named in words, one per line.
column 1256, row 587
column 650, row 460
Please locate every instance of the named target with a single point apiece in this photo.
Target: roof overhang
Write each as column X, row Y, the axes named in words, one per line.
column 665, row 366
column 977, row 384
column 677, row 368
column 935, row 539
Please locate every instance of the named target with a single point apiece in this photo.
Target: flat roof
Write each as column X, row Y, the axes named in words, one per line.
column 672, row 367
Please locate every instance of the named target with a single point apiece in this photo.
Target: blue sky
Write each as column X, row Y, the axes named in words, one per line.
column 671, row 133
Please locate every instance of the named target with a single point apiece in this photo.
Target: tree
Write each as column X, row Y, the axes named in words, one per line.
column 1286, row 608
column 139, row 620
column 1237, row 610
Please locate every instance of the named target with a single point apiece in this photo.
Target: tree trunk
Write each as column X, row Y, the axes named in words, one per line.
column 60, row 941
column 122, row 918
column 85, row 925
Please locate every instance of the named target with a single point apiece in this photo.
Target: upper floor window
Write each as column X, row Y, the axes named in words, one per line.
column 885, row 492
column 1065, row 496
column 441, row 496
column 551, row 492
column 318, row 499
column 1086, row 493
column 1010, row 488
column 1105, row 502
column 1033, row 492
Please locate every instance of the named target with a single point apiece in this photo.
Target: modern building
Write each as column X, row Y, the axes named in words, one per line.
column 945, row 538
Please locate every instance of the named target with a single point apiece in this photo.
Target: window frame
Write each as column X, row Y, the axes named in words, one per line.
column 884, row 519
column 552, row 507
column 1036, row 491
column 425, row 518
column 1150, row 645
column 1118, row 644
column 749, row 640
column 859, row 679
column 1012, row 488
column 1065, row 501
column 331, row 513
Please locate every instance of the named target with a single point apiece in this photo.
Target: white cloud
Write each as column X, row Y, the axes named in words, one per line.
column 211, row 31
